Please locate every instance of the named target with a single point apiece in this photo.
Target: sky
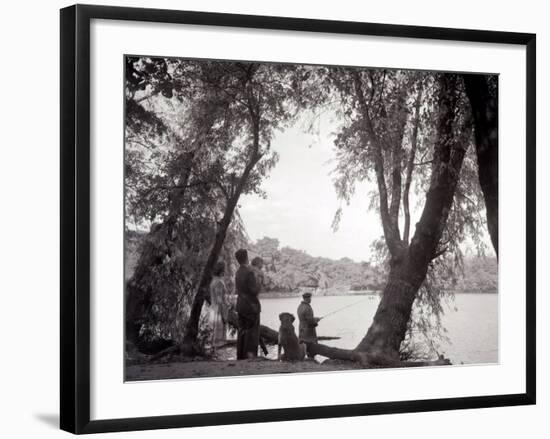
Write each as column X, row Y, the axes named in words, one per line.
column 301, row 200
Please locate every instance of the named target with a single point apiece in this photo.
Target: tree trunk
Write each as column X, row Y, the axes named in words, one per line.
column 410, row 265
column 485, row 114
column 192, row 326
column 389, row 325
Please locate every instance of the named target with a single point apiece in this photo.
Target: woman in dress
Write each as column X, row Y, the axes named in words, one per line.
column 218, row 306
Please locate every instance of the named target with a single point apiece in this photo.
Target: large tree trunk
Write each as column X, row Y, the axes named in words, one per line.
column 389, row 325
column 409, row 265
column 484, row 105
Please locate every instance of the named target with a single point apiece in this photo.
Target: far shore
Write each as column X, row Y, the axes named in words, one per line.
column 343, row 292
column 327, row 292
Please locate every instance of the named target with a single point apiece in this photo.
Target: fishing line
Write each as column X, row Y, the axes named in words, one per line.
column 344, row 307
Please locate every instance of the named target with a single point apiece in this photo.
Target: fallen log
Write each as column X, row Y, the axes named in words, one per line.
column 233, row 342
column 368, row 361
column 334, row 353
column 270, row 336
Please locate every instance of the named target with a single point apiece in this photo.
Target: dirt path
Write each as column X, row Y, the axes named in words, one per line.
column 218, row 368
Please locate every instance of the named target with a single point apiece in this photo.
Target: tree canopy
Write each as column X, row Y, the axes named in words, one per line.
column 198, row 136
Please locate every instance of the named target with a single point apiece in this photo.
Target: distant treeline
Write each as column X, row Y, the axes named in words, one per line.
column 289, row 270
column 480, row 274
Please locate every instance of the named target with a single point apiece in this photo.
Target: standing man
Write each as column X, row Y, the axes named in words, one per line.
column 248, row 308
column 308, row 323
column 257, row 264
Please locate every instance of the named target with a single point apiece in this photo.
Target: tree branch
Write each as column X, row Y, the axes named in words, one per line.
column 425, row 162
column 391, row 235
column 440, row 252
column 448, row 158
column 410, row 167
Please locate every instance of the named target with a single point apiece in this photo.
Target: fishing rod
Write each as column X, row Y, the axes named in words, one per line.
column 344, row 307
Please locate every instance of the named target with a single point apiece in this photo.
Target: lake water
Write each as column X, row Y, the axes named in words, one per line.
column 472, row 327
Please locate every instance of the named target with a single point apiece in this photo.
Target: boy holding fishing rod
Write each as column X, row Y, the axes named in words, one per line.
column 308, row 322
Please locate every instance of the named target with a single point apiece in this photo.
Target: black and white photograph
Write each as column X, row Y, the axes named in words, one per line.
column 300, row 218
column 275, row 220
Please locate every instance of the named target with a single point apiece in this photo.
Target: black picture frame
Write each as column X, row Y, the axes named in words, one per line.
column 75, row 217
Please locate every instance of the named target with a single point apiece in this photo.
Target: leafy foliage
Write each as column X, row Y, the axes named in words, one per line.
column 198, row 136
column 403, row 130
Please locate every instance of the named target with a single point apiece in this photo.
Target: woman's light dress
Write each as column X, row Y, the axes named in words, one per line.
column 218, row 311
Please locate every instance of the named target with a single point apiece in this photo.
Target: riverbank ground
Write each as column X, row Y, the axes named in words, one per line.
column 197, row 368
